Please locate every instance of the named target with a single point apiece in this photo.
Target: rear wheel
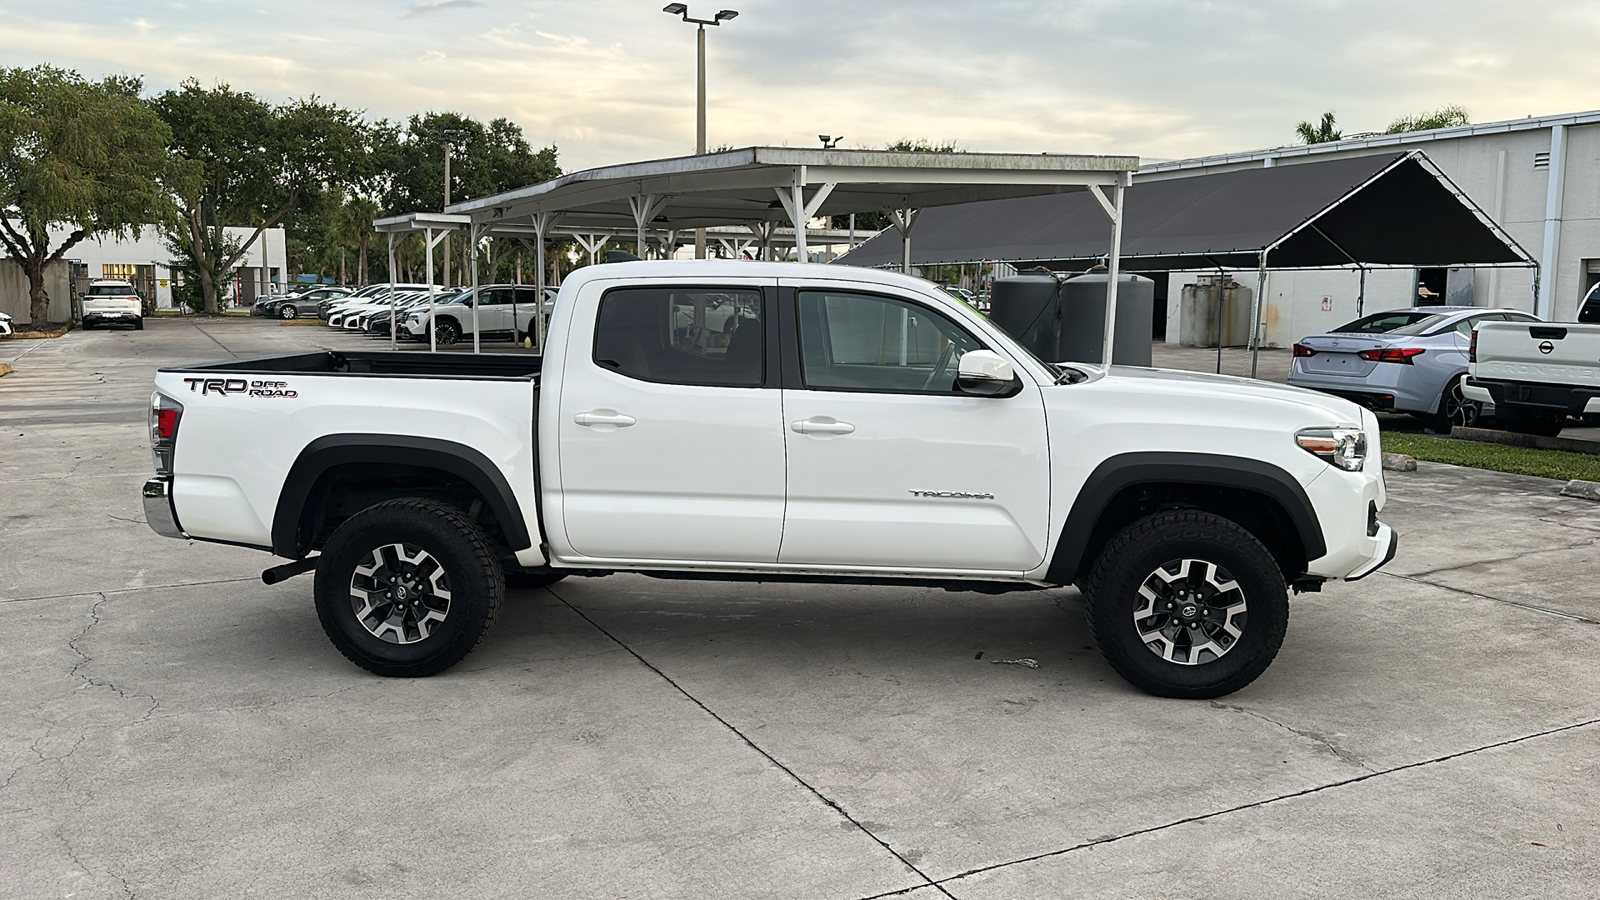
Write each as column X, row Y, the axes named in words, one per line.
column 407, row 588
column 1542, row 422
column 1187, row 604
column 1456, row 408
column 138, row 324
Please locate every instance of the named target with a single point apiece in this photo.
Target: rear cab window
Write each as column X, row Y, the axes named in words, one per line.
column 707, row 336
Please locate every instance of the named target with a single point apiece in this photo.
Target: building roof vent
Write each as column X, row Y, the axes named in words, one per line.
column 1541, row 160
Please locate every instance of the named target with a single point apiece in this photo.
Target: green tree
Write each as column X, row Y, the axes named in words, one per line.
column 82, row 157
column 352, row 230
column 1319, row 133
column 242, row 161
column 484, row 160
column 1443, row 117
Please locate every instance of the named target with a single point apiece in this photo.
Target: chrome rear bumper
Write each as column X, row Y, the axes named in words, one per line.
column 158, row 509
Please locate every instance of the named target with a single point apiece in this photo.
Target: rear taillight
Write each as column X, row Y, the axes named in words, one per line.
column 1303, row 350
column 1394, row 355
column 1472, row 348
column 165, row 414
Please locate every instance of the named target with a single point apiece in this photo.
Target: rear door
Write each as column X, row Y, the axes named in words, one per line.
column 889, row 466
column 671, row 433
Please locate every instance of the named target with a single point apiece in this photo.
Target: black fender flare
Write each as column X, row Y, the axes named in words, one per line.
column 1127, row 470
column 326, row 452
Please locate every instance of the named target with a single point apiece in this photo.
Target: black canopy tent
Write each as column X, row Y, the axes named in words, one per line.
column 1362, row 212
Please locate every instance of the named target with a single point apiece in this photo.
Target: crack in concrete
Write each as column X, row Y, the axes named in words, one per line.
column 1518, row 556
column 131, row 590
column 84, row 659
column 1202, row 817
column 1313, row 736
column 1573, row 617
column 828, row 801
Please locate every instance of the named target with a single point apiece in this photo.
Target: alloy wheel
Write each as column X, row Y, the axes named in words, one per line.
column 1190, row 612
column 1458, row 409
column 400, row 593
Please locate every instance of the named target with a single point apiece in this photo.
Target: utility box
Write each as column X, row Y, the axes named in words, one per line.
column 1214, row 308
column 1062, row 319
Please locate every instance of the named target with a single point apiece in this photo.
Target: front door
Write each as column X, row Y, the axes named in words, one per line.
column 671, row 430
column 888, row 464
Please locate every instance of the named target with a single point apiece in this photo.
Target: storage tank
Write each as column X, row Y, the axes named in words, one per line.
column 1083, row 319
column 1062, row 319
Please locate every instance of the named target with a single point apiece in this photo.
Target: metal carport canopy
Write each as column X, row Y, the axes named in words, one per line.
column 736, row 186
column 757, row 185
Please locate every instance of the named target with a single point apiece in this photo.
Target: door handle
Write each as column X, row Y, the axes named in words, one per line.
column 820, row 425
column 604, row 417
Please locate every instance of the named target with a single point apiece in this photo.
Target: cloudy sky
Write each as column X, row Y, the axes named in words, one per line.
column 613, row 80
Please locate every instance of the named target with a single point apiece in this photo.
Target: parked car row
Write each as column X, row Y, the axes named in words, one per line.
column 505, row 311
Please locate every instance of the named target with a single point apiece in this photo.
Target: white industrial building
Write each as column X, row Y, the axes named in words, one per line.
column 141, row 258
column 1538, row 177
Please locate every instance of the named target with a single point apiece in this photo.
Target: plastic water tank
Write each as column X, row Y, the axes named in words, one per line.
column 1062, row 319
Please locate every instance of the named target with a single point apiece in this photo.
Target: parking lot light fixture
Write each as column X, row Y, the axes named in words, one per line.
column 723, row 15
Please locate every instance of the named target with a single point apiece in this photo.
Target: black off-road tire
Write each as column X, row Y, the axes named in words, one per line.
column 1133, row 555
column 476, row 585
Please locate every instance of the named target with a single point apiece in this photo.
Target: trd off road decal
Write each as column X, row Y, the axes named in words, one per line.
column 226, row 386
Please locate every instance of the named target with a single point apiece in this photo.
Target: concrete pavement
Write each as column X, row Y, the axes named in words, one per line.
column 171, row 727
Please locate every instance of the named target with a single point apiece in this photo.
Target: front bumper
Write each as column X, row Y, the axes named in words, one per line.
column 158, row 509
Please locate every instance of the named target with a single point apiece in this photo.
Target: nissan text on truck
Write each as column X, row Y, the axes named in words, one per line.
column 774, row 422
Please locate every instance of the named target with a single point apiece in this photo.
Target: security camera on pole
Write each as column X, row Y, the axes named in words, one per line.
column 723, row 15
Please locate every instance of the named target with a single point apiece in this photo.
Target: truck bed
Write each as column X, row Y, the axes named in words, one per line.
column 502, row 366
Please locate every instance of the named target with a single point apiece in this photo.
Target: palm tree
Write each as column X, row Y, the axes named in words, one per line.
column 1320, row 133
column 352, row 226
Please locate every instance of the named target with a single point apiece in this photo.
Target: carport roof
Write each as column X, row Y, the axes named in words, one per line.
column 1374, row 211
column 738, row 186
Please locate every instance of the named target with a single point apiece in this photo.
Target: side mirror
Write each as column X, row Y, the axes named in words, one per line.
column 985, row 373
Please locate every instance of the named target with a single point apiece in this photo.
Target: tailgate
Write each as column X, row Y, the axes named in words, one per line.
column 1335, row 354
column 1538, row 352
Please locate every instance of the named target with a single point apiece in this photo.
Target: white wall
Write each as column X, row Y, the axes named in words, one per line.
column 147, row 247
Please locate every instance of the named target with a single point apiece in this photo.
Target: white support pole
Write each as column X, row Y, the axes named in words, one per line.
column 645, row 208
column 1550, row 253
column 394, row 326
column 473, row 235
column 1255, row 312
column 1113, row 261
column 433, row 334
column 905, row 220
column 801, row 210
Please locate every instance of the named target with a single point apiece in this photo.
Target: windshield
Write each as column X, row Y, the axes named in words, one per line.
column 1395, row 321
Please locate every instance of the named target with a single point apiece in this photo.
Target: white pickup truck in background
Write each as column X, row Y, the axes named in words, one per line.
column 764, row 422
column 1537, row 375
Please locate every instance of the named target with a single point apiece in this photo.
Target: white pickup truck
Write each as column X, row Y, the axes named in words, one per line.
column 1535, row 374
column 849, row 426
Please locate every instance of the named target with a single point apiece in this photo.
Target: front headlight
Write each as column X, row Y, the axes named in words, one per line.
column 1342, row 447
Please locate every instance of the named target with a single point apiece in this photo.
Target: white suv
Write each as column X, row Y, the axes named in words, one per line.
column 112, row 302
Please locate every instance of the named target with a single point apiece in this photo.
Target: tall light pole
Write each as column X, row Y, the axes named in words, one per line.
column 723, row 15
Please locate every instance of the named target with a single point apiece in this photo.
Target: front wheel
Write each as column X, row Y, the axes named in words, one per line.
column 287, row 312
column 407, row 588
column 446, row 333
column 1187, row 604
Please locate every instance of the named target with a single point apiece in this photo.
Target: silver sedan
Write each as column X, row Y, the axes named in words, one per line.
column 1402, row 360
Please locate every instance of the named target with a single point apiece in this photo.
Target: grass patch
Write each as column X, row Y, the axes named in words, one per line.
column 1495, row 457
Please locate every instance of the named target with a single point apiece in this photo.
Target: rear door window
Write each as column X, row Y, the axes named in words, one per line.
column 704, row 336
